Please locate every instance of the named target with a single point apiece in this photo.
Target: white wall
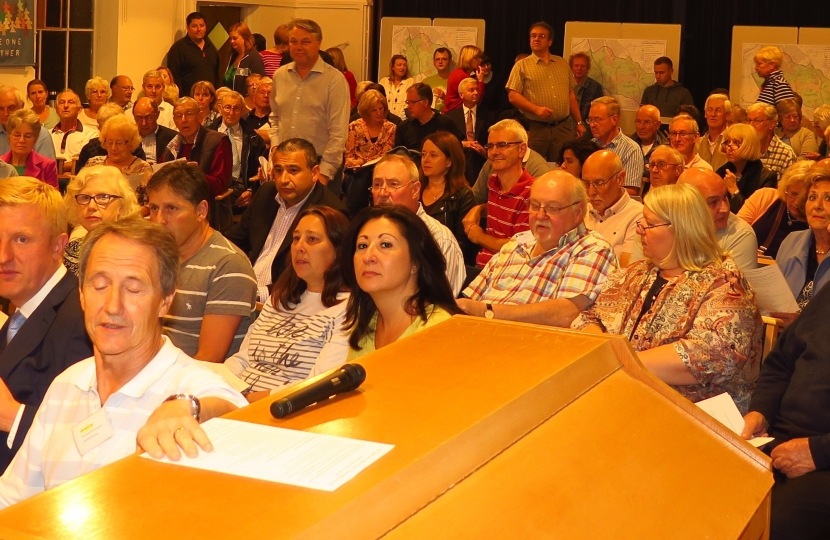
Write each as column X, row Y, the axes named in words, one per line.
column 18, row 77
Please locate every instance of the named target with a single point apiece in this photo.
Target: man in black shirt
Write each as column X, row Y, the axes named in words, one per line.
column 423, row 120
column 193, row 58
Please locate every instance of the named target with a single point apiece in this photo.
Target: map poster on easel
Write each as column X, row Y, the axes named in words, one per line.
column 418, row 43
column 624, row 67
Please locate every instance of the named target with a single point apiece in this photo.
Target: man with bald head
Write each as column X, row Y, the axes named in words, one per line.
column 611, row 210
column 734, row 234
column 648, row 134
column 552, row 272
column 683, row 136
column 11, row 100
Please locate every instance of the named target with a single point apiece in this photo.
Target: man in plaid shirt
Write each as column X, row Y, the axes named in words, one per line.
column 775, row 155
column 546, row 275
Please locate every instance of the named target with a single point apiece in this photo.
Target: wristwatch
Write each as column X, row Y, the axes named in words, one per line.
column 489, row 313
column 195, row 404
column 580, row 123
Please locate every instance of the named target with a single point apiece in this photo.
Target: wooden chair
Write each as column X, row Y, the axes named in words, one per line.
column 772, row 327
column 763, row 260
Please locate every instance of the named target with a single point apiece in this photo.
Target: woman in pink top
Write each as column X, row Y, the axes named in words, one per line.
column 469, row 65
column 23, row 128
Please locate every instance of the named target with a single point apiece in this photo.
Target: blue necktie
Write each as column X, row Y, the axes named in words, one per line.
column 15, row 323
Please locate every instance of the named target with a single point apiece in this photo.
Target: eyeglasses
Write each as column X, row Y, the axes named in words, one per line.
column 392, row 186
column 717, row 110
column 757, row 121
column 101, row 199
column 125, row 88
column 661, row 164
column 500, row 145
column 180, row 116
column 681, row 134
column 230, row 108
column 643, row 228
column 549, row 211
column 735, row 143
column 413, row 101
column 599, row 183
column 115, row 143
column 596, row 119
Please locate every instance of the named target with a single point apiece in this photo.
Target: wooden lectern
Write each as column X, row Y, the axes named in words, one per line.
column 501, row 430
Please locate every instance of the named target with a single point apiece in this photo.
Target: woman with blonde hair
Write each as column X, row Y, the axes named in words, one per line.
column 774, row 212
column 743, row 173
column 369, row 138
column 686, row 309
column 97, row 92
column 98, row 194
column 469, row 65
column 396, row 84
column 120, row 138
column 244, row 59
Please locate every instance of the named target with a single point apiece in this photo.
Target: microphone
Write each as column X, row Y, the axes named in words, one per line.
column 345, row 379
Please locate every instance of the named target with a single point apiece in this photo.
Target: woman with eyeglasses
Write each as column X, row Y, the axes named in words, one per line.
column 97, row 92
column 396, row 84
column 98, row 194
column 397, row 276
column 744, row 173
column 300, row 333
column 685, row 308
column 445, row 193
column 119, row 137
column 802, row 256
column 773, row 212
column 38, row 94
column 23, row 129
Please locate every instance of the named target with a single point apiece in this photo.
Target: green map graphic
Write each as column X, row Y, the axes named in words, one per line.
column 418, row 43
column 624, row 67
column 806, row 68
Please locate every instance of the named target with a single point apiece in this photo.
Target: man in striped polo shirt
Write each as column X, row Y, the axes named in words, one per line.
column 216, row 289
column 507, row 191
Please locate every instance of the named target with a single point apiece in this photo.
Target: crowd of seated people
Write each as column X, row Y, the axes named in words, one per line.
column 526, row 203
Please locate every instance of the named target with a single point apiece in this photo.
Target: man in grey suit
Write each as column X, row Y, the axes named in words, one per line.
column 45, row 334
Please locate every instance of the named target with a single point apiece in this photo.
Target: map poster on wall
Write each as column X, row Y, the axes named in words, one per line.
column 17, row 33
column 624, row 67
column 418, row 43
column 806, row 68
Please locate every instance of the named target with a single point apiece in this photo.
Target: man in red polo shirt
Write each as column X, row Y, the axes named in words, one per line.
column 508, row 190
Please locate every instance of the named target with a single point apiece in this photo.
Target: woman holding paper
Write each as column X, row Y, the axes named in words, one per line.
column 803, row 254
column 397, row 276
column 774, row 212
column 300, row 331
column 686, row 308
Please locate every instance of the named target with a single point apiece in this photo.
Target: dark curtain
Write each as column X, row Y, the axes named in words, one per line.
column 705, row 51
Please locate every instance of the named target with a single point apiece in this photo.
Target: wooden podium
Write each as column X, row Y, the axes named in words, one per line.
column 501, row 430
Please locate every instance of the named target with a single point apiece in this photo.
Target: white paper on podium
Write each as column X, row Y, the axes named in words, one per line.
column 771, row 289
column 724, row 410
column 299, row 458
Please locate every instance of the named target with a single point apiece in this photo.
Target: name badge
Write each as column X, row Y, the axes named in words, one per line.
column 243, row 72
column 91, row 432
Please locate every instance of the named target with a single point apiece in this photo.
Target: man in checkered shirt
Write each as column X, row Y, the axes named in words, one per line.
column 549, row 274
column 775, row 155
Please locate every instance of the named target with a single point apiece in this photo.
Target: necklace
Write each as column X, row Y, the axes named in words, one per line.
column 821, row 252
column 434, row 194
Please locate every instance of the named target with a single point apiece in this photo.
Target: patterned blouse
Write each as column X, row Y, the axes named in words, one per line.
column 359, row 146
column 714, row 325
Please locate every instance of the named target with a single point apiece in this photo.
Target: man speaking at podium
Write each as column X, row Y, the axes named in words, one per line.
column 137, row 389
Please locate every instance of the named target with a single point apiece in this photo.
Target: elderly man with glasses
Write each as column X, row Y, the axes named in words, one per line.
column 551, row 273
column 683, row 136
column 775, row 155
column 611, row 210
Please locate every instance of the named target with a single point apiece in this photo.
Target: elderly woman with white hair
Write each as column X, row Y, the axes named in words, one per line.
column 821, row 126
column 97, row 195
column 685, row 308
column 768, row 62
column 97, row 92
column 120, row 139
column 744, row 173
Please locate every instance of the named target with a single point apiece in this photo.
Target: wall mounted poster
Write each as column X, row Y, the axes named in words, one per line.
column 17, row 33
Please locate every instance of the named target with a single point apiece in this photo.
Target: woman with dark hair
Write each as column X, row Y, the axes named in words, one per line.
column 205, row 95
column 300, row 331
column 397, row 276
column 574, row 153
column 38, row 94
column 396, row 85
column 445, row 194
column 340, row 63
column 244, row 60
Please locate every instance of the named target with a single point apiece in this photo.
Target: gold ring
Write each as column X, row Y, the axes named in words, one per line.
column 178, row 430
